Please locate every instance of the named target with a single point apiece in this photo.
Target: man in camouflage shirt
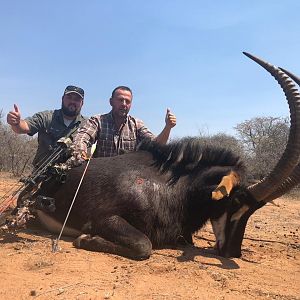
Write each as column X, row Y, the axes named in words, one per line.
column 50, row 125
column 116, row 131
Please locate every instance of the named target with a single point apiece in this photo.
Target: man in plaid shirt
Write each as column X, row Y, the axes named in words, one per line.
column 117, row 132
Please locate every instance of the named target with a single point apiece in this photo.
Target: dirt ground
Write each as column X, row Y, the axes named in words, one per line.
column 268, row 269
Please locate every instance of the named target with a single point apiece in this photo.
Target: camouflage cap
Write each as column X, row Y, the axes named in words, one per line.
column 74, row 89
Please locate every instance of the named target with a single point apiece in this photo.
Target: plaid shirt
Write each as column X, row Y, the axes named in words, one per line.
column 110, row 140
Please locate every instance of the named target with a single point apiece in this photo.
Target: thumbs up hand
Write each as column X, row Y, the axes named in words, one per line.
column 170, row 119
column 14, row 116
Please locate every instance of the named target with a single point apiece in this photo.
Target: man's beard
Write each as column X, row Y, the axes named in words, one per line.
column 68, row 112
column 122, row 113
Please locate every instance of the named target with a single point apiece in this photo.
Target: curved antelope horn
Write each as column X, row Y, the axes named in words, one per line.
column 289, row 158
column 287, row 185
column 294, row 178
column 294, row 77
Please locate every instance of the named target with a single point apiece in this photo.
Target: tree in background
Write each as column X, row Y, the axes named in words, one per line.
column 16, row 151
column 264, row 140
column 223, row 140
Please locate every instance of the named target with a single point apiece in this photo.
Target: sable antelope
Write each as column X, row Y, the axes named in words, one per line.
column 161, row 195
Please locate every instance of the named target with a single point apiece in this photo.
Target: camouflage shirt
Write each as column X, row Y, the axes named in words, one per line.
column 50, row 127
column 110, row 140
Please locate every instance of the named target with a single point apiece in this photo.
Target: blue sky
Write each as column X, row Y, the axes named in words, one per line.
column 186, row 55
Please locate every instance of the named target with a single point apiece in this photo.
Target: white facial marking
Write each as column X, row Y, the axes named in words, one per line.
column 239, row 213
column 218, row 226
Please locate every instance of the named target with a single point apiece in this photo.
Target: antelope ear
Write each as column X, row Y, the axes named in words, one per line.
column 219, row 193
column 224, row 188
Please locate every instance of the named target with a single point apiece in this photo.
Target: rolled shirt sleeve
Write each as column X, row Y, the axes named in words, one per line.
column 87, row 134
column 38, row 121
column 142, row 131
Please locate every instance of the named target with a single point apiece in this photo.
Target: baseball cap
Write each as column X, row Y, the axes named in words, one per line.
column 74, row 89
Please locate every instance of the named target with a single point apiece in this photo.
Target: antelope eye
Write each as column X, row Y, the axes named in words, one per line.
column 236, row 202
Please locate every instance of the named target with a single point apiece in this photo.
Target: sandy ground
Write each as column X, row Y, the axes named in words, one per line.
column 268, row 269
